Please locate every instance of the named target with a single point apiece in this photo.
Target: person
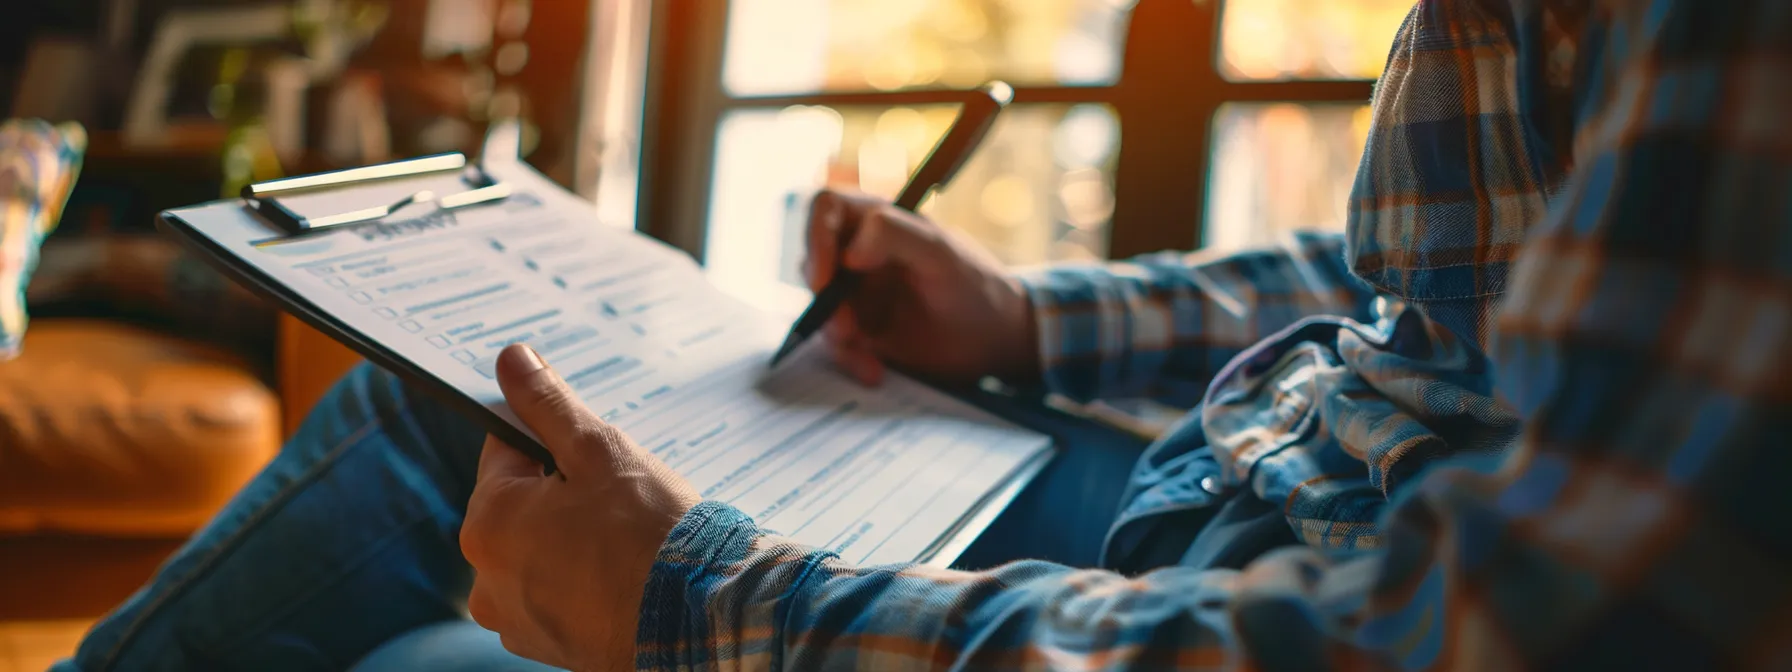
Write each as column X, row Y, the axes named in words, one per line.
column 1526, row 412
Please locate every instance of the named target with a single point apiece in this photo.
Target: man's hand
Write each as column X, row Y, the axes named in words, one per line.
column 561, row 561
column 931, row 303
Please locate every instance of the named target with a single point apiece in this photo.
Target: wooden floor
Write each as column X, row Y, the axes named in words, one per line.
column 53, row 588
column 31, row 646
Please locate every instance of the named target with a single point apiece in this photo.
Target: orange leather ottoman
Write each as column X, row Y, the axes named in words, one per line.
column 111, row 430
column 116, row 443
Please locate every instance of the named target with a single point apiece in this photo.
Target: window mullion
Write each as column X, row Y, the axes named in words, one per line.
column 1168, row 92
column 684, row 106
column 1343, row 91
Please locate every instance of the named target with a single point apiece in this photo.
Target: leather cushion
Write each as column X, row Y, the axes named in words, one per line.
column 113, row 430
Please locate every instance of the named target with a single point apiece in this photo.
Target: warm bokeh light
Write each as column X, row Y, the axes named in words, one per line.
column 800, row 46
column 1308, row 39
column 1278, row 168
column 1041, row 189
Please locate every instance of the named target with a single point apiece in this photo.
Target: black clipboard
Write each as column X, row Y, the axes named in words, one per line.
column 270, row 199
column 222, row 254
column 233, row 267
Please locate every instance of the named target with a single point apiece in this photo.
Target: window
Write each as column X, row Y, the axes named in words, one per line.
column 804, row 46
column 1281, row 166
column 1264, row 40
column 1138, row 125
column 1040, row 189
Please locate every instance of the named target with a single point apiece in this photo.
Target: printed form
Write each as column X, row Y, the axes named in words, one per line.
column 877, row 475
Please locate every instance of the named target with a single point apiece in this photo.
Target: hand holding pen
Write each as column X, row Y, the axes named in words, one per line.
column 896, row 289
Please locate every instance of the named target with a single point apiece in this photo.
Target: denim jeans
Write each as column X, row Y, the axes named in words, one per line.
column 344, row 551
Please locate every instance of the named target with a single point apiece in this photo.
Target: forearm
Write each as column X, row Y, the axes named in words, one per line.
column 724, row 594
column 1163, row 325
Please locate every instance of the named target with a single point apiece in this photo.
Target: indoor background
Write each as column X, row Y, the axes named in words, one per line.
column 1137, row 126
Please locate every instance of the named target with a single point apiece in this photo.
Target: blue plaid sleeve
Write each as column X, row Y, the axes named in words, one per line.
column 1162, row 325
column 725, row 595
column 1638, row 522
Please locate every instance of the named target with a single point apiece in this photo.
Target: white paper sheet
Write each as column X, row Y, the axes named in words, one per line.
column 878, row 476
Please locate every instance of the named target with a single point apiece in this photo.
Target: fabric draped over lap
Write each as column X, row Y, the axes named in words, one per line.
column 1332, row 416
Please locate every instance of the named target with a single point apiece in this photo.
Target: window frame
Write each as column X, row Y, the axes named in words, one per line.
column 1162, row 172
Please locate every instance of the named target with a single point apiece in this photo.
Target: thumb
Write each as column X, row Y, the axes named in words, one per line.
column 544, row 402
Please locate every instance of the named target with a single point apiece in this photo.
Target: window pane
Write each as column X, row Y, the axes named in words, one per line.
column 1281, row 167
column 1308, row 39
column 1040, row 189
column 799, row 46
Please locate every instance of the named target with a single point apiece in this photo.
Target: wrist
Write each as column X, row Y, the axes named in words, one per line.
column 1019, row 347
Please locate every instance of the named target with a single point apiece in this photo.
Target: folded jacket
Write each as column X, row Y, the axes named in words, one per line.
column 39, row 162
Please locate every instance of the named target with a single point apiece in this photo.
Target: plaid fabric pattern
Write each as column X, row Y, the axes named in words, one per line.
column 1463, row 150
column 1333, row 417
column 1164, row 324
column 38, row 166
column 1604, row 489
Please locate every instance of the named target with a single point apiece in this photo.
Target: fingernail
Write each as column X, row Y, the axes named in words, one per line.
column 523, row 359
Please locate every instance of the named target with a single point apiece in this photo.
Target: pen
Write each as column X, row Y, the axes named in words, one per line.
column 948, row 157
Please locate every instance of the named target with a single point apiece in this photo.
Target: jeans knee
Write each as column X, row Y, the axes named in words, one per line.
column 370, row 398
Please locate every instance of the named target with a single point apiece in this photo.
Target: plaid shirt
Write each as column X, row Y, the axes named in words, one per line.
column 1587, row 205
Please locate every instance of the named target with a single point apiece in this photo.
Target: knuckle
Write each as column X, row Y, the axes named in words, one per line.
column 824, row 203
column 602, row 440
column 516, row 647
column 854, row 206
column 841, row 331
column 612, row 437
column 909, row 223
column 481, row 609
column 473, row 543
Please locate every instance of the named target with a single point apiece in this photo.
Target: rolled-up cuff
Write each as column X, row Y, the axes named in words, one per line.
column 711, row 538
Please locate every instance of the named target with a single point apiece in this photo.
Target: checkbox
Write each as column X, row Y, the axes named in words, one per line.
column 387, row 313
column 465, row 356
column 411, row 326
column 361, row 297
column 439, row 342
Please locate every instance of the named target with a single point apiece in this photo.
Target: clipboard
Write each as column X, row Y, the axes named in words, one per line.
column 265, row 200
column 222, row 231
column 273, row 200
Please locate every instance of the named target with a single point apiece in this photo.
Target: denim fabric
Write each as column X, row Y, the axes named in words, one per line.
column 449, row 646
column 345, row 550
column 349, row 538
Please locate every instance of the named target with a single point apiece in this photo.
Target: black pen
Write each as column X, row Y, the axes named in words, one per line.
column 954, row 150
